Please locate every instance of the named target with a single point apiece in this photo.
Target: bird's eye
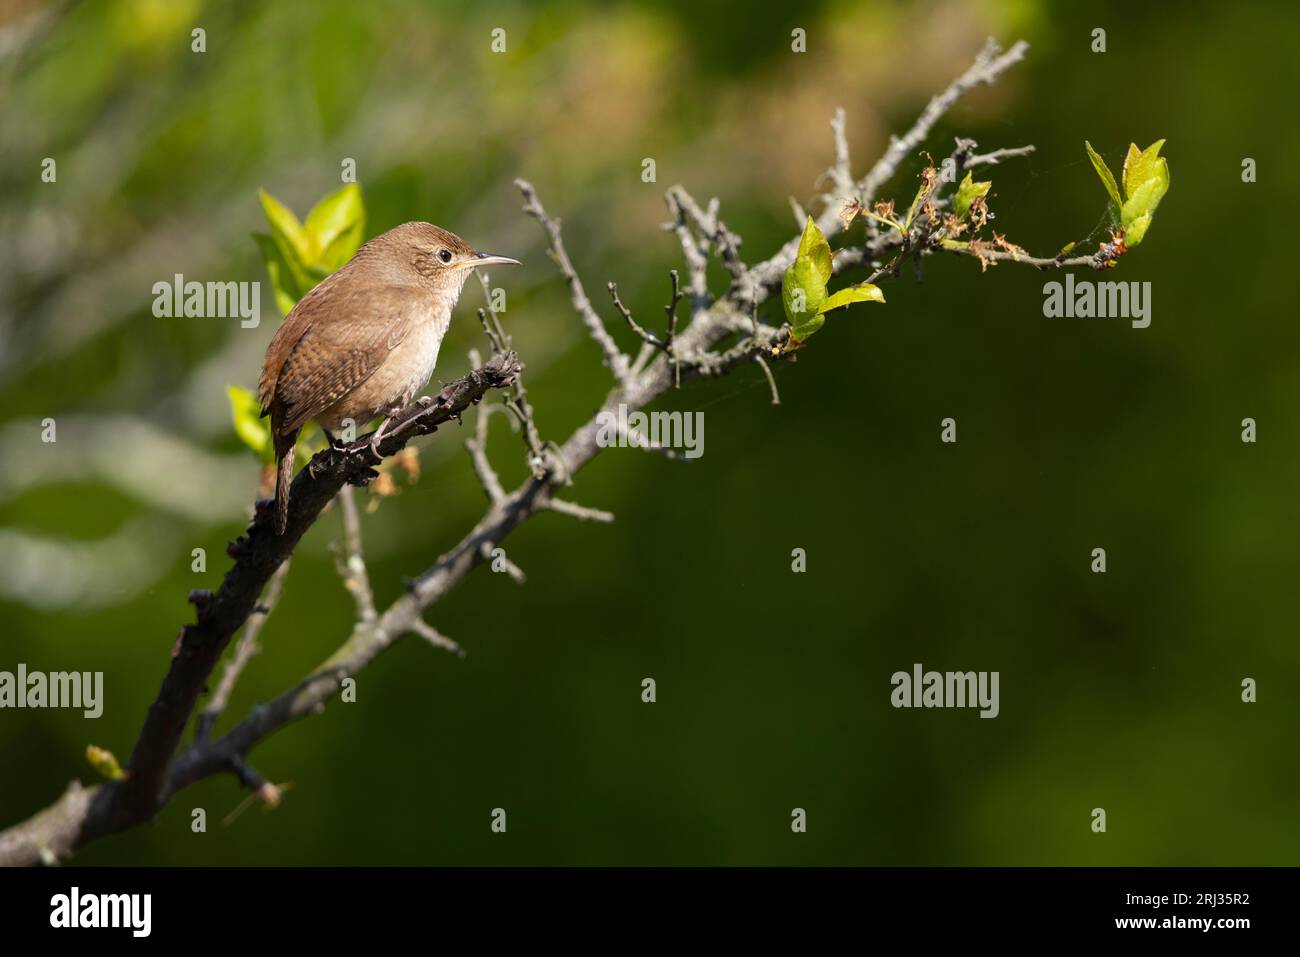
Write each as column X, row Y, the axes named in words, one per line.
column 444, row 255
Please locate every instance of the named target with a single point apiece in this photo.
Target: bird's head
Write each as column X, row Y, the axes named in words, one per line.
column 441, row 258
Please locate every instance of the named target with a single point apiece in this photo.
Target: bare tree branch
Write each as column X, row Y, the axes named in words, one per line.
column 988, row 66
column 83, row 814
column 994, row 157
column 720, row 336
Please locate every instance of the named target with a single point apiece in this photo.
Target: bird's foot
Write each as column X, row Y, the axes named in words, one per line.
column 379, row 436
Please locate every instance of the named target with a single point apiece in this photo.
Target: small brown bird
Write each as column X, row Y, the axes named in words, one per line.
column 363, row 343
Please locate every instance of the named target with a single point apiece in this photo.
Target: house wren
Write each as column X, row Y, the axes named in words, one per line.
column 363, row 343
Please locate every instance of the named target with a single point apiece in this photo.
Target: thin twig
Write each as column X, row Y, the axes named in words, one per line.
column 994, row 157
column 988, row 66
column 671, row 309
column 841, row 174
column 436, row 638
column 614, row 359
column 350, row 561
column 645, row 334
column 477, row 448
column 516, row 573
column 517, row 396
column 245, row 649
column 771, row 380
column 800, row 214
column 580, row 511
column 697, row 263
column 984, row 254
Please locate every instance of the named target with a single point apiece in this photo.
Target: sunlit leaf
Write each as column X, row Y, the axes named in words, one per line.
column 336, row 226
column 803, row 329
column 863, row 293
column 803, row 290
column 1140, row 166
column 1107, row 178
column 283, row 284
column 293, row 241
column 967, row 191
column 1144, row 200
column 1136, row 214
column 1136, row 230
column 252, row 429
column 813, row 246
column 285, row 223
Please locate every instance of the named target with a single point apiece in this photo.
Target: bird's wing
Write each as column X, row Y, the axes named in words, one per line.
column 331, row 353
column 298, row 321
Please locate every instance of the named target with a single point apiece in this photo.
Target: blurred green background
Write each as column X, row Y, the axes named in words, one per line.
column 1119, row 691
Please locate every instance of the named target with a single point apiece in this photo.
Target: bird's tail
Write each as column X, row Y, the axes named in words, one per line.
column 284, row 457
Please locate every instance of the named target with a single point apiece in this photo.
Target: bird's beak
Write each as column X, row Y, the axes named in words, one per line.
column 487, row 259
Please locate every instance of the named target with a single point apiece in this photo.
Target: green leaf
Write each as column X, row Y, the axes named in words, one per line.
column 863, row 293
column 282, row 281
column 803, row 286
column 336, row 226
column 1144, row 200
column 285, row 224
column 803, row 290
column 967, row 191
column 1129, row 158
column 104, row 761
column 246, row 413
column 343, row 248
column 293, row 241
column 1134, row 232
column 1107, row 178
column 1140, row 166
column 813, row 246
column 806, row 327
column 1137, row 212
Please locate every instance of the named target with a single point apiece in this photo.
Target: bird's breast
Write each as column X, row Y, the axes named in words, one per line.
column 397, row 381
